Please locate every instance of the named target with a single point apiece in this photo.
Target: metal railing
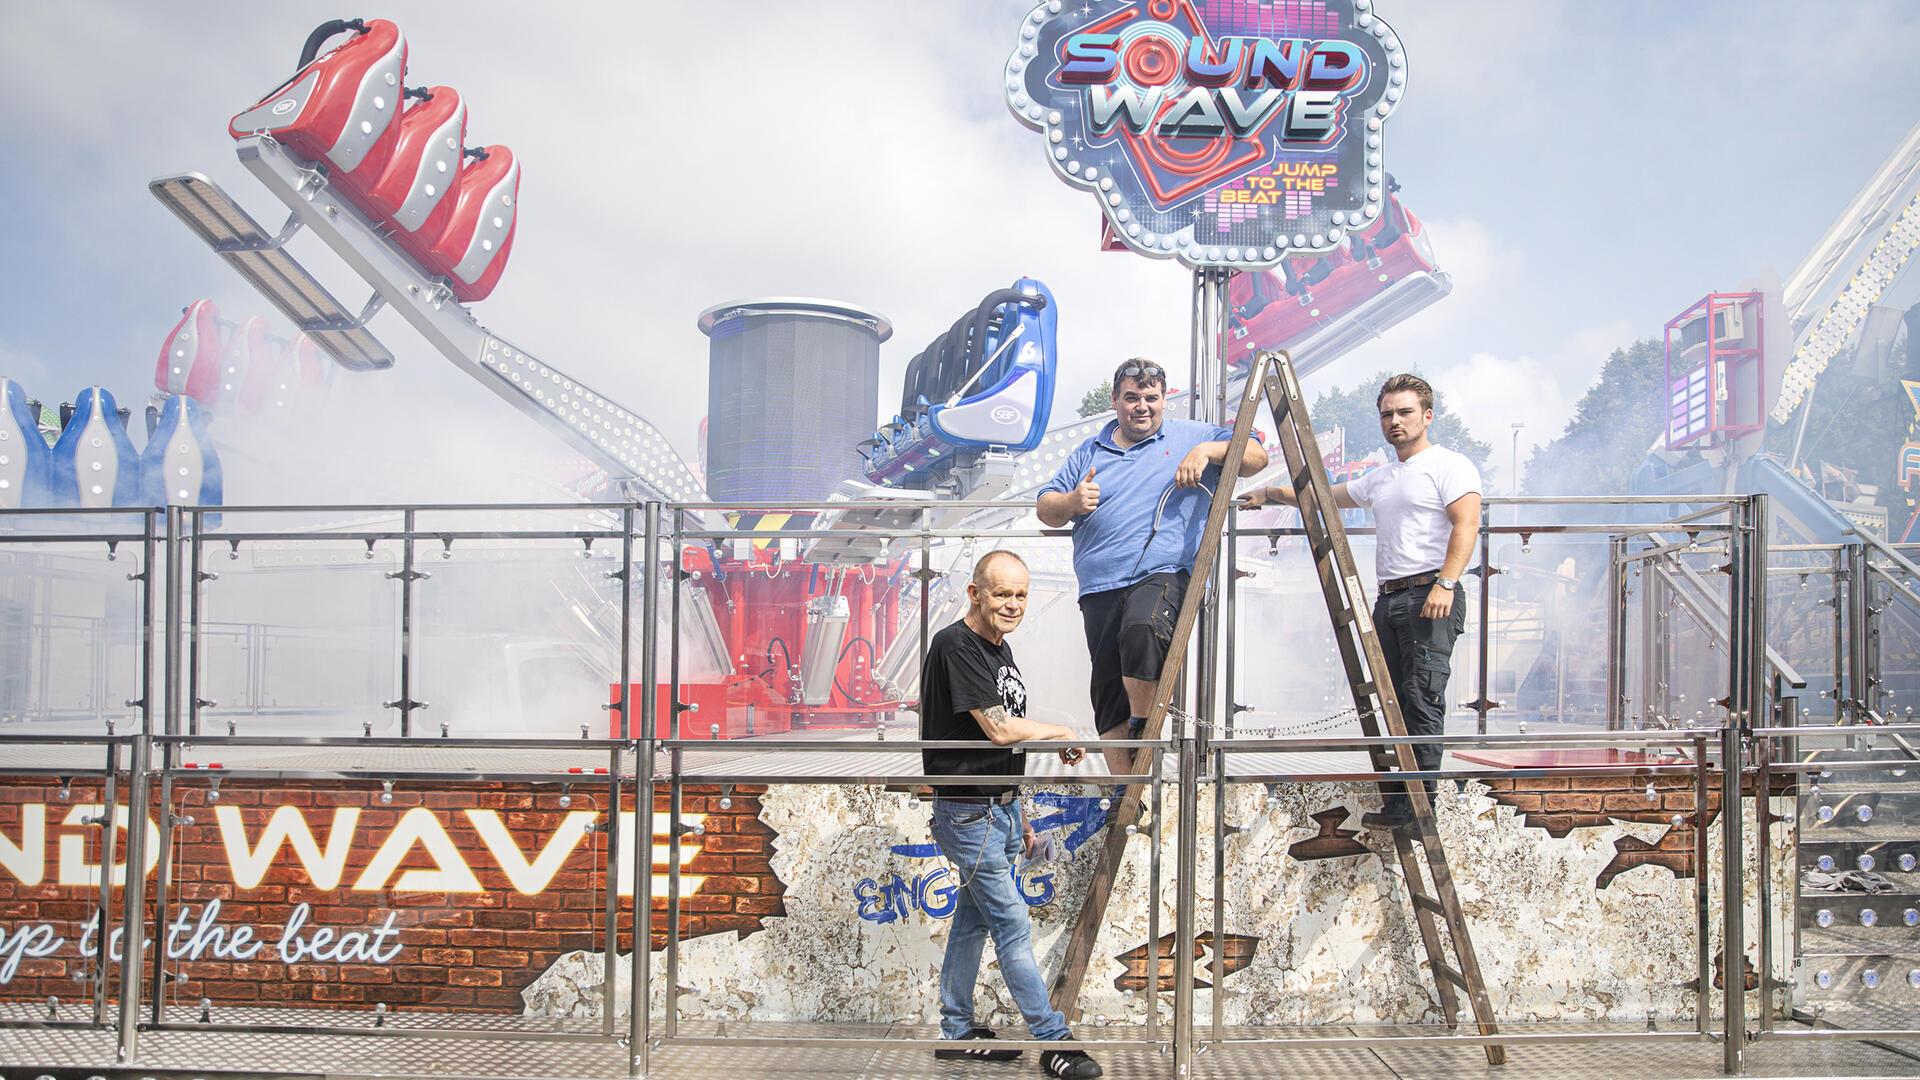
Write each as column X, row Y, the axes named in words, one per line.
column 171, row 715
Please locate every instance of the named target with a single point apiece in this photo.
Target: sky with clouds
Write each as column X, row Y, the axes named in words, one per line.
column 1586, row 170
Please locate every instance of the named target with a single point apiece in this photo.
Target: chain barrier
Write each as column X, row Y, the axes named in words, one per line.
column 1301, row 727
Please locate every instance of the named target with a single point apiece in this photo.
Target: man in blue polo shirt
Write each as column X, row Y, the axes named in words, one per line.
column 1137, row 495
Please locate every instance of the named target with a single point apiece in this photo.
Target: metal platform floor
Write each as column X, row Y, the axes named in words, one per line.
column 171, row 1054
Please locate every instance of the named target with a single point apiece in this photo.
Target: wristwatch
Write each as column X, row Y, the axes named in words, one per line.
column 1446, row 583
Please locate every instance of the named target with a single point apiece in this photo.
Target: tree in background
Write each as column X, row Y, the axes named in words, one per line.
column 1619, row 417
column 1358, row 412
column 1859, row 421
column 1098, row 400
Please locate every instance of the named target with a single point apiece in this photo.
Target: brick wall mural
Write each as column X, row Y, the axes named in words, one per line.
column 452, row 897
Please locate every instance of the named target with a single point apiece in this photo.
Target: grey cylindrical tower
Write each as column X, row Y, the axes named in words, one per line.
column 792, row 385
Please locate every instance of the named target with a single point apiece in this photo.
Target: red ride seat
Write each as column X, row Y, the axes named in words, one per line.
column 250, row 349
column 423, row 168
column 190, row 358
column 281, row 377
column 471, row 249
column 340, row 108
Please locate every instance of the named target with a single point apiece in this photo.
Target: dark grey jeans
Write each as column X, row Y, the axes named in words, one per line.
column 1419, row 660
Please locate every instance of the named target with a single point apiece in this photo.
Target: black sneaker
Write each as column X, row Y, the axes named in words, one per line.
column 1381, row 819
column 978, row 1053
column 1071, row 1064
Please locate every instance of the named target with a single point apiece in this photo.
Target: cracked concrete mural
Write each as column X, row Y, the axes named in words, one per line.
column 1577, row 919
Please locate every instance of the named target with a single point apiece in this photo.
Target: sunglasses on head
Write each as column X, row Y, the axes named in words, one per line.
column 1147, row 371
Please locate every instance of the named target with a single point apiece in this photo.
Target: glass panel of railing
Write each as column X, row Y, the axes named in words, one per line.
column 59, row 962
column 1553, row 629
column 1896, row 595
column 814, row 627
column 468, row 887
column 1287, row 670
column 71, row 617
column 1679, row 623
column 1580, row 893
column 516, row 632
column 1806, row 623
column 793, row 623
column 299, row 623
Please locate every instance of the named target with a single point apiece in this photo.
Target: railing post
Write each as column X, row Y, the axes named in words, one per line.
column 133, row 893
column 1154, row 836
column 611, row 957
column 1873, row 688
column 1229, row 684
column 1747, row 666
column 111, row 797
column 1186, row 890
column 1762, row 850
column 1484, row 704
column 1859, row 599
column 675, row 729
column 640, row 985
column 195, row 577
column 1654, row 629
column 926, row 590
column 1702, row 893
column 1616, row 633
column 407, row 575
column 1840, row 653
column 625, row 573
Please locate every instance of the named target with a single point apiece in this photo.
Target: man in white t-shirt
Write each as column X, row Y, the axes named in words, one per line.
column 1426, row 508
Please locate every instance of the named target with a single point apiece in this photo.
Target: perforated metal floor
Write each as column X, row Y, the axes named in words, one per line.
column 184, row 1053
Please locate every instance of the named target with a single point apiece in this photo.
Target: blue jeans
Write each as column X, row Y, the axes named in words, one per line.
column 982, row 841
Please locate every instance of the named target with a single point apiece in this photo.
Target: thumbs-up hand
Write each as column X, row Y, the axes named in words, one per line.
column 1086, row 495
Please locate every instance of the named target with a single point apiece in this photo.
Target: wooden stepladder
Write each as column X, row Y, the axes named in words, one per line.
column 1273, row 377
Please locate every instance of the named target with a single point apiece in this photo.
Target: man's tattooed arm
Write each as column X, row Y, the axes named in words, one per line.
column 1003, row 728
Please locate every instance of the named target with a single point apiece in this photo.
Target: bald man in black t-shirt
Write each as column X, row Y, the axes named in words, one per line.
column 971, row 690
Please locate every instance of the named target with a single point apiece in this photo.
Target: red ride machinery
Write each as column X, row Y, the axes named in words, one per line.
column 802, row 638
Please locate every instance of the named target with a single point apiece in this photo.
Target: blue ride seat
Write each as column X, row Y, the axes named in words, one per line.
column 25, row 461
column 984, row 384
column 93, row 462
column 180, row 467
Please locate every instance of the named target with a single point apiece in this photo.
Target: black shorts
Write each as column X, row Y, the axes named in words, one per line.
column 1129, row 631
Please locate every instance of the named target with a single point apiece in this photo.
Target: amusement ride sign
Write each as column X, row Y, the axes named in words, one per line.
column 1224, row 133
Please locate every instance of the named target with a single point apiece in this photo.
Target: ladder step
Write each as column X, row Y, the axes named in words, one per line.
column 1452, row 976
column 1422, row 900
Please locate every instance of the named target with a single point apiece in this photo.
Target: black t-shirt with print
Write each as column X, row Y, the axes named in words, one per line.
column 965, row 671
